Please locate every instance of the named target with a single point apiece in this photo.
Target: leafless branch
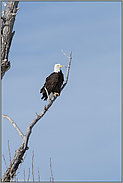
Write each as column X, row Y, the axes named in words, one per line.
column 65, row 54
column 68, row 69
column 5, row 161
column 28, row 175
column 24, row 174
column 51, row 178
column 33, row 166
column 9, row 152
column 14, row 124
column 19, row 153
column 38, row 175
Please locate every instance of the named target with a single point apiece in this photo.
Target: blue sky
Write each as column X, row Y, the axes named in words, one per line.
column 81, row 132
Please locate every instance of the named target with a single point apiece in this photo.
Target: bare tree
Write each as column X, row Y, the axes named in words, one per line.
column 6, row 39
column 8, row 175
column 7, row 23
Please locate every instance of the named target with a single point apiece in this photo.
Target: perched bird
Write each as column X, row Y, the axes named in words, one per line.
column 53, row 83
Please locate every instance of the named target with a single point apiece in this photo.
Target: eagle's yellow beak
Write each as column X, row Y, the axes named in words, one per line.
column 60, row 66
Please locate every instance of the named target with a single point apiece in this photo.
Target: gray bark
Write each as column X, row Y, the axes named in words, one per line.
column 7, row 23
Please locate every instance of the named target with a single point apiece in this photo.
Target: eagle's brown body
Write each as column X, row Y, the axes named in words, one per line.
column 53, row 84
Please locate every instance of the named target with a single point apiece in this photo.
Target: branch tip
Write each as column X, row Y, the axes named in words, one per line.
column 4, row 115
column 4, row 4
column 45, row 107
column 36, row 114
column 14, row 14
column 65, row 54
column 17, row 8
column 14, row 124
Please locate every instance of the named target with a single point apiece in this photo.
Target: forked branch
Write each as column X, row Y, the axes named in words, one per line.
column 8, row 175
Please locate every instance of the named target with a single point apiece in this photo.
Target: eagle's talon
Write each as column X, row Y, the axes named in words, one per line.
column 56, row 94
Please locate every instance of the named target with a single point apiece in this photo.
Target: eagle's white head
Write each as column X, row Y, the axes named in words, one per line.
column 57, row 68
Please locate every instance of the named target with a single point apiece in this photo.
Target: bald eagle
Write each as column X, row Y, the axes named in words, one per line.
column 53, row 82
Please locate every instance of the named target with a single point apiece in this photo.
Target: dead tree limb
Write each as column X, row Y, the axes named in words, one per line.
column 10, row 172
column 7, row 23
column 14, row 124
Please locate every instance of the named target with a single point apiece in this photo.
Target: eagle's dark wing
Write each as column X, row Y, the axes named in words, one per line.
column 50, row 84
column 53, row 84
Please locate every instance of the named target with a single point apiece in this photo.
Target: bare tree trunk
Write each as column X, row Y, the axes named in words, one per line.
column 7, row 24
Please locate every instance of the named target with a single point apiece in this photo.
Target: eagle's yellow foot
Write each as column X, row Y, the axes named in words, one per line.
column 56, row 93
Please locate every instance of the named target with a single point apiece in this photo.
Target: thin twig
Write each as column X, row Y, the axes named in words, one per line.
column 28, row 175
column 33, row 166
column 9, row 152
column 24, row 174
column 65, row 54
column 4, row 161
column 68, row 69
column 38, row 175
column 14, row 124
column 51, row 178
